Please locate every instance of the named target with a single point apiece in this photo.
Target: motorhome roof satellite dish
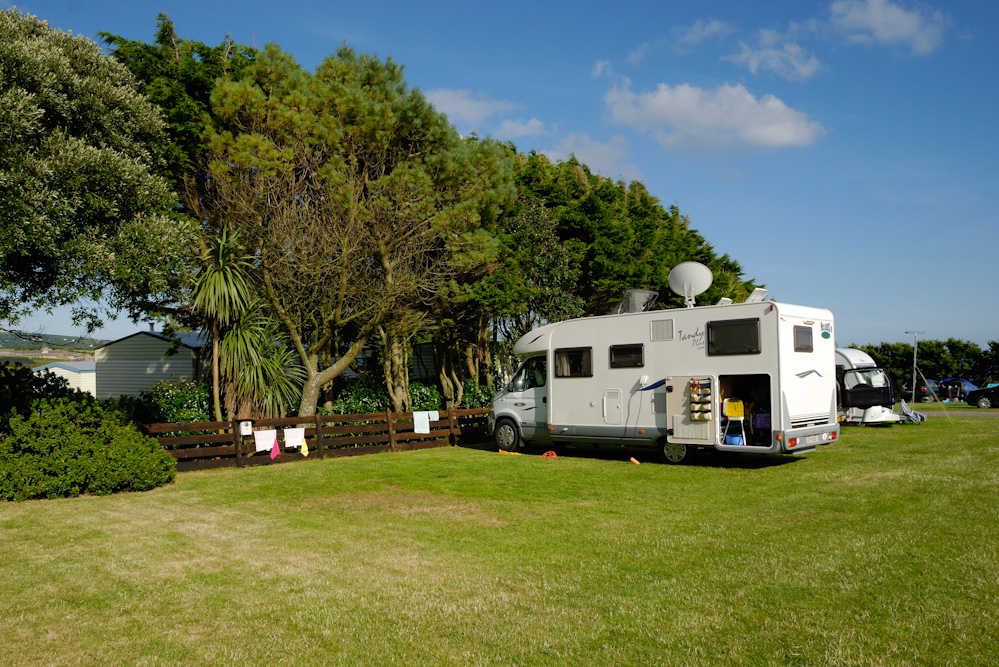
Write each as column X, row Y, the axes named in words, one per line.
column 690, row 279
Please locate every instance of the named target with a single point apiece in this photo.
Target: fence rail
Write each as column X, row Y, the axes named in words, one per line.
column 202, row 445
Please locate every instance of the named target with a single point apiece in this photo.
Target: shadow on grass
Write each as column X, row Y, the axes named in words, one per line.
column 705, row 458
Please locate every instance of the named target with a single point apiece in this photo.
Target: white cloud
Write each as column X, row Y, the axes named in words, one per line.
column 638, row 55
column 511, row 129
column 778, row 57
column 464, row 106
column 607, row 158
column 884, row 22
column 684, row 39
column 726, row 117
column 601, row 68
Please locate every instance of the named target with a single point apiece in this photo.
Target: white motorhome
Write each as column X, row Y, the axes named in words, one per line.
column 866, row 396
column 754, row 377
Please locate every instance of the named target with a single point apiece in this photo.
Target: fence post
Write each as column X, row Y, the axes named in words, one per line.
column 391, row 429
column 319, row 435
column 237, row 441
column 452, row 436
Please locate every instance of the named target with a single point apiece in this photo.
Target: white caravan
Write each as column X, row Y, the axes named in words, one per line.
column 866, row 396
column 754, row 377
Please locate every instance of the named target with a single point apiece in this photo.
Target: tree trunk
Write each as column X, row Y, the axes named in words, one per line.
column 310, row 395
column 216, row 394
column 395, row 364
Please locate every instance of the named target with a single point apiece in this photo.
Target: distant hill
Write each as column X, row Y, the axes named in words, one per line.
column 10, row 341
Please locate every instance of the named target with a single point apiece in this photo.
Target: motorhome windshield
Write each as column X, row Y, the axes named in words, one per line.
column 531, row 374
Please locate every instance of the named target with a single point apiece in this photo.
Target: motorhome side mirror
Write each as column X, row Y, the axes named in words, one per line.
column 509, row 385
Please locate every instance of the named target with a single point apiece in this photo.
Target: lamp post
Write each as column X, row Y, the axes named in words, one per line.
column 915, row 344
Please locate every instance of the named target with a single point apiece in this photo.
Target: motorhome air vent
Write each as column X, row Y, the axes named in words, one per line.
column 662, row 330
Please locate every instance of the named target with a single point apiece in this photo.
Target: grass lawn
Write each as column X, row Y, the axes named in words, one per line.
column 881, row 549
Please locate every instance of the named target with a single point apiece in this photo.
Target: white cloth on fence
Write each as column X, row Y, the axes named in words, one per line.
column 421, row 422
column 435, row 415
column 294, row 437
column 265, row 440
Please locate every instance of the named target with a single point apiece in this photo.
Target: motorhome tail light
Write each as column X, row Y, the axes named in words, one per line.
column 792, row 442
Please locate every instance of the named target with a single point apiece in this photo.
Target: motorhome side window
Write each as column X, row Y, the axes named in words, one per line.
column 734, row 337
column 573, row 362
column 530, row 375
column 627, row 356
column 803, row 339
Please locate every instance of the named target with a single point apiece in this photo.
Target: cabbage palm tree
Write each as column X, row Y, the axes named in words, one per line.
column 222, row 293
column 261, row 371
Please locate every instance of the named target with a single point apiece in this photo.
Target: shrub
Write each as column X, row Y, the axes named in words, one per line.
column 359, row 396
column 20, row 388
column 175, row 400
column 477, row 395
column 68, row 447
column 425, row 397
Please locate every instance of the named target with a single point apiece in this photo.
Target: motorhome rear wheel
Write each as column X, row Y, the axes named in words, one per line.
column 674, row 452
column 507, row 436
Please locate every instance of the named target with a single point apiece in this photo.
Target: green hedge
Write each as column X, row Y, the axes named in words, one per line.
column 67, row 448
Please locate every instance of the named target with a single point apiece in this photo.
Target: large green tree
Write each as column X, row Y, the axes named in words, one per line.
column 81, row 207
column 178, row 75
column 349, row 189
column 620, row 237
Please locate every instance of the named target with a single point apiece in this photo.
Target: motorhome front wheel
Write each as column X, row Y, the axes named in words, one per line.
column 507, row 437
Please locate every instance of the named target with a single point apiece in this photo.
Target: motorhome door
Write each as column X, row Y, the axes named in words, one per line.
column 528, row 397
column 691, row 410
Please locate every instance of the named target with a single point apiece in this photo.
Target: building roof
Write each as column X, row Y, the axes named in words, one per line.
column 190, row 339
column 72, row 366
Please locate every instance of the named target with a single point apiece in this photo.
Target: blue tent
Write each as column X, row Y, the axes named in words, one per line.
column 965, row 385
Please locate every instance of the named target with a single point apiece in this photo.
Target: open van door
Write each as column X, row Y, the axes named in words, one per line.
column 865, row 388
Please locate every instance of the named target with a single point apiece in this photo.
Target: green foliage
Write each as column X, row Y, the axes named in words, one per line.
column 21, row 388
column 66, row 448
column 620, row 237
column 477, row 395
column 80, row 207
column 178, row 75
column 176, row 400
column 425, row 397
column 936, row 360
column 359, row 396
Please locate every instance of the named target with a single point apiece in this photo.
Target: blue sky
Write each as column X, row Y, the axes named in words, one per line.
column 844, row 151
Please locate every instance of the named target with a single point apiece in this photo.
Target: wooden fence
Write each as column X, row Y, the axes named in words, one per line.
column 201, row 445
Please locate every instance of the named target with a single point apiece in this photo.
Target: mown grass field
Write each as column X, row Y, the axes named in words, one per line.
column 882, row 549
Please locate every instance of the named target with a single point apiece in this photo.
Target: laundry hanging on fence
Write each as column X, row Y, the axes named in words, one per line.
column 275, row 450
column 421, row 422
column 265, row 440
column 295, row 438
column 434, row 415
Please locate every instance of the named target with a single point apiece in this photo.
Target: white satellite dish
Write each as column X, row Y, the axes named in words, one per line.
column 690, row 279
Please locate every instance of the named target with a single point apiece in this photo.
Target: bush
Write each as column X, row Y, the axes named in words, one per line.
column 175, row 400
column 359, row 396
column 425, row 397
column 66, row 448
column 477, row 395
column 20, row 388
